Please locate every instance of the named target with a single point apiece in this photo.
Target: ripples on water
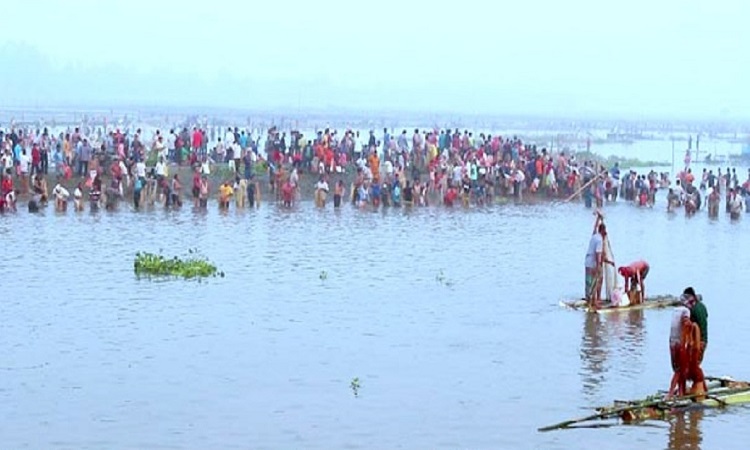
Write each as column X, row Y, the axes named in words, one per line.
column 449, row 318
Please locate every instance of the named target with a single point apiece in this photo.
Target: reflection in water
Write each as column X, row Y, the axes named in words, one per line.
column 621, row 331
column 593, row 353
column 685, row 431
column 628, row 332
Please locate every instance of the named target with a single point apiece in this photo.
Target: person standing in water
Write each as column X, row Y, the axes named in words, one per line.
column 338, row 193
column 594, row 262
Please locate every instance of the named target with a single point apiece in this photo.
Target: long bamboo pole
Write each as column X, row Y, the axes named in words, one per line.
column 608, row 413
column 581, row 189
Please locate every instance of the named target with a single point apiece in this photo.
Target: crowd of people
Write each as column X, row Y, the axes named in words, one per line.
column 425, row 167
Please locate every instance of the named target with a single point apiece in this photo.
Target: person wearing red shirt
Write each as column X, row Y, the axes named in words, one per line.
column 197, row 140
column 635, row 274
column 36, row 160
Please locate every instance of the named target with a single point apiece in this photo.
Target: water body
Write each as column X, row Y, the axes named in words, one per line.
column 448, row 318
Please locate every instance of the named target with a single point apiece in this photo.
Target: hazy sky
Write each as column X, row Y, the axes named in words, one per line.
column 636, row 57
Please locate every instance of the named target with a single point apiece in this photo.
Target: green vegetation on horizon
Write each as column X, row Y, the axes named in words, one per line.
column 625, row 163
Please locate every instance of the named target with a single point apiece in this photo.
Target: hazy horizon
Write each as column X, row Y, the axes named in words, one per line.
column 671, row 60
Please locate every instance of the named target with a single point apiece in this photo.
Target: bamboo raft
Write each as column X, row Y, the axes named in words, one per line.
column 722, row 392
column 657, row 302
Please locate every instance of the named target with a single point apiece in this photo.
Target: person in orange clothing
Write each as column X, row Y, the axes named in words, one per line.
column 685, row 351
column 635, row 274
column 374, row 163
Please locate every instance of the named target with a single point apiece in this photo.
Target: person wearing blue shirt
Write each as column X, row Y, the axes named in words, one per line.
column 396, row 193
column 57, row 160
column 17, row 150
column 243, row 140
column 375, row 194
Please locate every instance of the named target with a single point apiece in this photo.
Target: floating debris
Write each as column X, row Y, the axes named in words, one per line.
column 156, row 265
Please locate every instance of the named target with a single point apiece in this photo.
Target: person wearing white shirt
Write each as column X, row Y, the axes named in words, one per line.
column 140, row 170
column 159, row 168
column 679, row 192
column 25, row 160
column 457, row 174
column 160, row 148
column 171, row 141
column 206, row 167
column 7, row 161
column 518, row 179
column 321, row 192
column 78, row 198
column 229, row 137
column 61, row 197
column 735, row 204
column 124, row 172
column 24, row 164
column 160, row 171
column 388, row 170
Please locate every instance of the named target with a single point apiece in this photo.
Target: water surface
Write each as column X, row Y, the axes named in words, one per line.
column 449, row 318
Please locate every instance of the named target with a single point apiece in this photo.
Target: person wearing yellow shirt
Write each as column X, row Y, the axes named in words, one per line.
column 225, row 194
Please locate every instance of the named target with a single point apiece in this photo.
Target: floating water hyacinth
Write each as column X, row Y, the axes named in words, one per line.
column 156, row 265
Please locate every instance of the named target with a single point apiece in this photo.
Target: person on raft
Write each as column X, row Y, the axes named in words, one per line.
column 594, row 262
column 699, row 316
column 635, row 274
column 686, row 347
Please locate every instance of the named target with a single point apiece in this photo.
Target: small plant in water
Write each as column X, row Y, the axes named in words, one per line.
column 442, row 279
column 354, row 385
column 323, row 275
column 195, row 266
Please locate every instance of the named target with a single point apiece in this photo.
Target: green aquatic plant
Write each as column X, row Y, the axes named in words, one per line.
column 625, row 163
column 442, row 279
column 156, row 265
column 354, row 385
column 323, row 275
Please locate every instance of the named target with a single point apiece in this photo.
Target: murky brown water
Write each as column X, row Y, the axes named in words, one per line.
column 448, row 318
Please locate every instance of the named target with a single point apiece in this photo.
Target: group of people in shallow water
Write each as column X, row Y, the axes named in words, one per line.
column 433, row 167
column 642, row 189
column 735, row 193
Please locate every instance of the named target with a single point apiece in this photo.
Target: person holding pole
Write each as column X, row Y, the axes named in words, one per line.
column 594, row 262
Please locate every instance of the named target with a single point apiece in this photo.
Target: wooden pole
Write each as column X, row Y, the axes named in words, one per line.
column 660, row 403
column 588, row 183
